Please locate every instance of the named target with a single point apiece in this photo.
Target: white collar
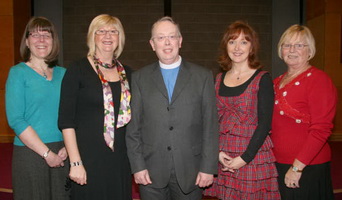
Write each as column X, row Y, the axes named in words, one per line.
column 171, row 66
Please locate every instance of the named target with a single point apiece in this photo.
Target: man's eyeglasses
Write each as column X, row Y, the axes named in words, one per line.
column 296, row 46
column 104, row 32
column 38, row 36
column 163, row 38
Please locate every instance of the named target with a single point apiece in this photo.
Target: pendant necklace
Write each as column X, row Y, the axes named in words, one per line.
column 238, row 76
column 44, row 74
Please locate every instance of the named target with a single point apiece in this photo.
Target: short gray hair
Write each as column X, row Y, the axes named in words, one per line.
column 166, row 19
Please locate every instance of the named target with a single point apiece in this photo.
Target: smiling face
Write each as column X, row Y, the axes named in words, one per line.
column 40, row 44
column 238, row 49
column 295, row 57
column 166, row 48
column 106, row 41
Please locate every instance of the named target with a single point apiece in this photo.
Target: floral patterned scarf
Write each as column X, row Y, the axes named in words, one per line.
column 125, row 110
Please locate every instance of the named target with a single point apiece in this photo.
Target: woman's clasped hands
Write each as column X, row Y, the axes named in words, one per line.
column 230, row 164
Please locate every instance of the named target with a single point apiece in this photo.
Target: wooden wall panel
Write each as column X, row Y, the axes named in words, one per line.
column 318, row 32
column 333, row 61
column 315, row 8
column 333, row 6
column 6, row 132
column 7, row 48
column 14, row 14
column 325, row 24
column 6, row 7
column 7, row 60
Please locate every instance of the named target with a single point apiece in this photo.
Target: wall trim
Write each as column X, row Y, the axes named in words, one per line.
column 6, row 138
column 6, row 190
column 336, row 191
column 336, row 137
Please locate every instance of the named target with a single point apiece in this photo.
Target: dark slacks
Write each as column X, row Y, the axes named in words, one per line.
column 171, row 192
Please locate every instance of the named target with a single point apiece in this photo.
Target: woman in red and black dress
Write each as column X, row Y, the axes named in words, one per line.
column 244, row 100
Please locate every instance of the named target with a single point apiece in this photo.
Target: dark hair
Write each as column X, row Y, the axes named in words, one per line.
column 40, row 24
column 233, row 31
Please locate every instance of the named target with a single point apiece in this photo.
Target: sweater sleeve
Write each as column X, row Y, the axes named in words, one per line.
column 265, row 110
column 15, row 101
column 322, row 101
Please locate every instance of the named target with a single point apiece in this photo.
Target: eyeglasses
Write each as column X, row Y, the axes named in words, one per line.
column 296, row 46
column 104, row 32
column 162, row 38
column 38, row 36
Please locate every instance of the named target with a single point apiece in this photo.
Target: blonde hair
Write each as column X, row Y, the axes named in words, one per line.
column 298, row 31
column 105, row 20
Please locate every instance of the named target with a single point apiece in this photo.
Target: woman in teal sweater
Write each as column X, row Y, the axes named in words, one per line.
column 32, row 103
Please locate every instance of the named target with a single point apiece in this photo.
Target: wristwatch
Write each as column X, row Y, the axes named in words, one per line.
column 295, row 169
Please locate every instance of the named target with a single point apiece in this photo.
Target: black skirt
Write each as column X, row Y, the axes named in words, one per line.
column 314, row 184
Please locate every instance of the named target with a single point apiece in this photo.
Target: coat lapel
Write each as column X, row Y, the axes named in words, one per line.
column 183, row 78
column 159, row 81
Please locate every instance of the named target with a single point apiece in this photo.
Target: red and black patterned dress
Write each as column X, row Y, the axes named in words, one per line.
column 238, row 117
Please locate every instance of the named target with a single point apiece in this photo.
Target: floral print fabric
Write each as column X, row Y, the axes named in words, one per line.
column 125, row 110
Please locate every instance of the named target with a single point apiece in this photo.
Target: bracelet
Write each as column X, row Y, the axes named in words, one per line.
column 296, row 169
column 45, row 155
column 78, row 163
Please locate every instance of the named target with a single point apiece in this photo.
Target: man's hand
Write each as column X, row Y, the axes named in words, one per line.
column 204, row 180
column 142, row 177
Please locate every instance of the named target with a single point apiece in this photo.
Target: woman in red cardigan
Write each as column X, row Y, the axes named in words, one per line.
column 305, row 105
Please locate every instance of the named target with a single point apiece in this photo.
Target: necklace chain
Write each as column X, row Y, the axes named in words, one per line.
column 40, row 70
column 44, row 74
column 289, row 77
column 238, row 76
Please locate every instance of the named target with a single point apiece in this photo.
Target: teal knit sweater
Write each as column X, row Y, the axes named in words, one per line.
column 31, row 100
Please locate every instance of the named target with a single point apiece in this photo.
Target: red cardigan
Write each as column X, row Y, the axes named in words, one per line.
column 302, row 118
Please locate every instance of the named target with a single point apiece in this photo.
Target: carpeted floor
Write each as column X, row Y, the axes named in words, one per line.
column 6, row 182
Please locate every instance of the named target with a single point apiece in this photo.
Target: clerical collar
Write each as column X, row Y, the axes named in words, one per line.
column 171, row 66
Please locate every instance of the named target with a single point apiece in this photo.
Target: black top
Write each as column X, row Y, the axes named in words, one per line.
column 81, row 108
column 265, row 110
